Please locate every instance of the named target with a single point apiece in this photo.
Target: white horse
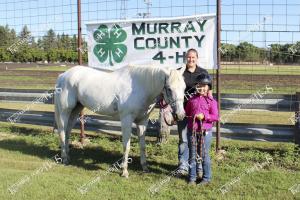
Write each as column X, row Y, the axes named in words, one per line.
column 126, row 94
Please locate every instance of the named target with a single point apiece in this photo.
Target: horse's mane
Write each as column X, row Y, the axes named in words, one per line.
column 175, row 76
column 148, row 71
column 145, row 69
column 150, row 74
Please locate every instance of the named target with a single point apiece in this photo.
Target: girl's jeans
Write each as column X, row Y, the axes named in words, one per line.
column 206, row 163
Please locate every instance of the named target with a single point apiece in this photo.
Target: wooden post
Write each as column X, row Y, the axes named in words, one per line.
column 218, row 125
column 79, row 51
column 297, row 119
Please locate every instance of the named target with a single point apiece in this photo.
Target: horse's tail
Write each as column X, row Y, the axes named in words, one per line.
column 57, row 101
column 65, row 98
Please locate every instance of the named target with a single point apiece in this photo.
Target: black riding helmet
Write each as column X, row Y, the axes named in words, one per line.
column 204, row 79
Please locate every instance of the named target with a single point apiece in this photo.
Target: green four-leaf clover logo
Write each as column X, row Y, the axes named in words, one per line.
column 109, row 44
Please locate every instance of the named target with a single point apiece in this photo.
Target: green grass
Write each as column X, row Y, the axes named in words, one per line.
column 239, row 87
column 241, row 116
column 25, row 149
column 42, row 68
column 26, row 78
column 27, row 86
column 260, row 69
column 258, row 117
column 33, row 107
column 226, row 69
column 233, row 85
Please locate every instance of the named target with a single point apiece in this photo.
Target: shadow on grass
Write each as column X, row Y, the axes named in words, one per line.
column 271, row 151
column 87, row 158
column 26, row 131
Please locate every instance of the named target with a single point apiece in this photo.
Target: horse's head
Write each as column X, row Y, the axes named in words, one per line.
column 173, row 92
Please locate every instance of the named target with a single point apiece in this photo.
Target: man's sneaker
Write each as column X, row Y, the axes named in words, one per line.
column 192, row 183
column 203, row 183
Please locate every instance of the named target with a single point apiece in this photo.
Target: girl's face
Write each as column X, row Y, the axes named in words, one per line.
column 202, row 89
column 191, row 59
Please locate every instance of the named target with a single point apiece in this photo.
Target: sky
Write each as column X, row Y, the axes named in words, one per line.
column 261, row 22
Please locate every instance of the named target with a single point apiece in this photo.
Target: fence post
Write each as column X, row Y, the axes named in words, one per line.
column 218, row 125
column 297, row 120
column 79, row 51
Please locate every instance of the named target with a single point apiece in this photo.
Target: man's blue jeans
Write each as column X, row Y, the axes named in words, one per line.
column 183, row 150
column 206, row 163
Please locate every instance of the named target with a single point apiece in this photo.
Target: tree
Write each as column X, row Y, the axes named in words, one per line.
column 276, row 55
column 25, row 33
column 64, row 41
column 228, row 52
column 49, row 41
column 7, row 36
column 5, row 55
column 248, row 52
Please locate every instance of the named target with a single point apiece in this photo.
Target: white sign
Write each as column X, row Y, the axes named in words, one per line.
column 156, row 41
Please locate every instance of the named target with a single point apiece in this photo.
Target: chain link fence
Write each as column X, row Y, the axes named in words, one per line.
column 260, row 50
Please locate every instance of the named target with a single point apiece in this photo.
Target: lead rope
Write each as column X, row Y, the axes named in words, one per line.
column 198, row 141
column 163, row 107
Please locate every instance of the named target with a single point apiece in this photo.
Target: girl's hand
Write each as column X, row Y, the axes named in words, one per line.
column 200, row 116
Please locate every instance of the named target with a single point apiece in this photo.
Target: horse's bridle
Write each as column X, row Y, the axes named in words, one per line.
column 163, row 107
column 166, row 94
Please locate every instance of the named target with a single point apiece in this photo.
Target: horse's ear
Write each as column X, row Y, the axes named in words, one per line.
column 182, row 69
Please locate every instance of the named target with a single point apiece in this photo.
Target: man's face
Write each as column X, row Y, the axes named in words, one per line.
column 191, row 59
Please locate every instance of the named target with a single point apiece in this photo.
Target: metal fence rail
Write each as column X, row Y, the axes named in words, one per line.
column 272, row 102
column 105, row 124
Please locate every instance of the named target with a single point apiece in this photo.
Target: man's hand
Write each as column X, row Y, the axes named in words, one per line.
column 200, row 116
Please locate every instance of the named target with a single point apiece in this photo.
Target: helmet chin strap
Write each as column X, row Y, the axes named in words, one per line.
column 199, row 90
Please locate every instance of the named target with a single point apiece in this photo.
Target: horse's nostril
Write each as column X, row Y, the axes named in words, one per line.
column 181, row 116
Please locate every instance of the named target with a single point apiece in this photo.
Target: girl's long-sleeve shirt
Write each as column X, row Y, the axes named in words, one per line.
column 206, row 105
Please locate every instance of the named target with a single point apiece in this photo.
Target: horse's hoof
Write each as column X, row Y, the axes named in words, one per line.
column 145, row 169
column 66, row 161
column 125, row 174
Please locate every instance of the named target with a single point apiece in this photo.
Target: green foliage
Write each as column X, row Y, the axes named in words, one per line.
column 246, row 52
column 54, row 47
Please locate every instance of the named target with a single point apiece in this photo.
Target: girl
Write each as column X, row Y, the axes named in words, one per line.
column 191, row 72
column 202, row 111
